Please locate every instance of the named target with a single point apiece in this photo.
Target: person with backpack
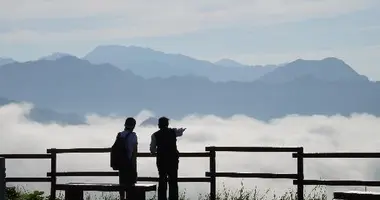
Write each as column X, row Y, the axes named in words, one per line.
column 124, row 157
column 164, row 144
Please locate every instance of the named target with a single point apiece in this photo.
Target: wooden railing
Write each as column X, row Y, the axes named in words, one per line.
column 214, row 173
column 210, row 176
column 53, row 174
column 338, row 155
column 24, row 157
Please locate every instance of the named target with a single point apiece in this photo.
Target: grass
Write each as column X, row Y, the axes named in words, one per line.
column 318, row 193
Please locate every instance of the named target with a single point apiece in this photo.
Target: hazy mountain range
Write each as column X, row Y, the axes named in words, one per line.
column 68, row 84
column 49, row 116
column 4, row 61
column 54, row 56
column 149, row 63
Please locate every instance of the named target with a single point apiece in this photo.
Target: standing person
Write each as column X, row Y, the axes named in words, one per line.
column 164, row 143
column 124, row 157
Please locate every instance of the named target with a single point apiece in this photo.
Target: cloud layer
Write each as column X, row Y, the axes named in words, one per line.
column 23, row 22
column 314, row 133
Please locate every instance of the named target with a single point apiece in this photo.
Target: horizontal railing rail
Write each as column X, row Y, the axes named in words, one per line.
column 339, row 182
column 108, row 150
column 252, row 175
column 26, row 156
column 252, row 149
column 27, row 179
column 340, row 155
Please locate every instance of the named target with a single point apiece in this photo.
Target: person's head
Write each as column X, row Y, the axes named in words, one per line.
column 130, row 124
column 163, row 122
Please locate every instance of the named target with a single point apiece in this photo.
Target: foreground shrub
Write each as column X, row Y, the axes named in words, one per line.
column 317, row 193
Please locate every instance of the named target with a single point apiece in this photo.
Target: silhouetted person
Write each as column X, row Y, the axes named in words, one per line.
column 123, row 158
column 164, row 143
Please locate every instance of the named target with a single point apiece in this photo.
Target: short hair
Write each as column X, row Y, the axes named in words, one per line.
column 163, row 122
column 130, row 123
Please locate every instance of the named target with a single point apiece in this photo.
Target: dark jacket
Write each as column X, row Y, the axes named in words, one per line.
column 166, row 144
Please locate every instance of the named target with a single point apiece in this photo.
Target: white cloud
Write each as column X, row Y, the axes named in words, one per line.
column 157, row 18
column 314, row 133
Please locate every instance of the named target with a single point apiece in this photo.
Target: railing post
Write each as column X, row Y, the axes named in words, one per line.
column 53, row 176
column 300, row 173
column 212, row 174
column 2, row 179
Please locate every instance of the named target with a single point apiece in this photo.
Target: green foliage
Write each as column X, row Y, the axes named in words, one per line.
column 318, row 193
column 13, row 193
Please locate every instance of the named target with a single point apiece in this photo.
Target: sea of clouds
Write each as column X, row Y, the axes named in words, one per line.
column 359, row 132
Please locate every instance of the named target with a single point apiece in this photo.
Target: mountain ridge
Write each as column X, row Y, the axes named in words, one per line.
column 47, row 116
column 73, row 85
column 150, row 63
column 5, row 61
column 54, row 56
column 327, row 69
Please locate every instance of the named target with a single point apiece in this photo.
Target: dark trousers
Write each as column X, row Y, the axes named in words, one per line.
column 168, row 172
column 127, row 179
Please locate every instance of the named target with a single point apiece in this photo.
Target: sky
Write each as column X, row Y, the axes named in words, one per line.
column 314, row 133
column 249, row 31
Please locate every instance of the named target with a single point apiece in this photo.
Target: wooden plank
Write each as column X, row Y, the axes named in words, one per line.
column 80, row 150
column 340, row 155
column 2, row 179
column 27, row 179
column 53, row 177
column 181, row 154
column 253, row 175
column 94, row 173
column 357, row 195
column 339, row 182
column 108, row 150
column 253, row 149
column 115, row 173
column 26, row 156
column 300, row 175
column 104, row 186
column 180, row 179
column 212, row 166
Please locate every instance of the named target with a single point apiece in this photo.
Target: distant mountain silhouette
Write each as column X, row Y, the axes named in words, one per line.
column 4, row 61
column 54, row 56
column 229, row 63
column 151, row 121
column 4, row 101
column 65, row 83
column 328, row 69
column 149, row 63
column 73, row 85
column 49, row 116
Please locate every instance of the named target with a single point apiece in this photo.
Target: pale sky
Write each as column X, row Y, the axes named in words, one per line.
column 249, row 31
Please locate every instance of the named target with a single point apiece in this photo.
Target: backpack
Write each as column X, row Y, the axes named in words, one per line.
column 119, row 153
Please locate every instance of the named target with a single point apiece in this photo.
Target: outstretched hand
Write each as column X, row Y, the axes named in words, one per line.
column 181, row 129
